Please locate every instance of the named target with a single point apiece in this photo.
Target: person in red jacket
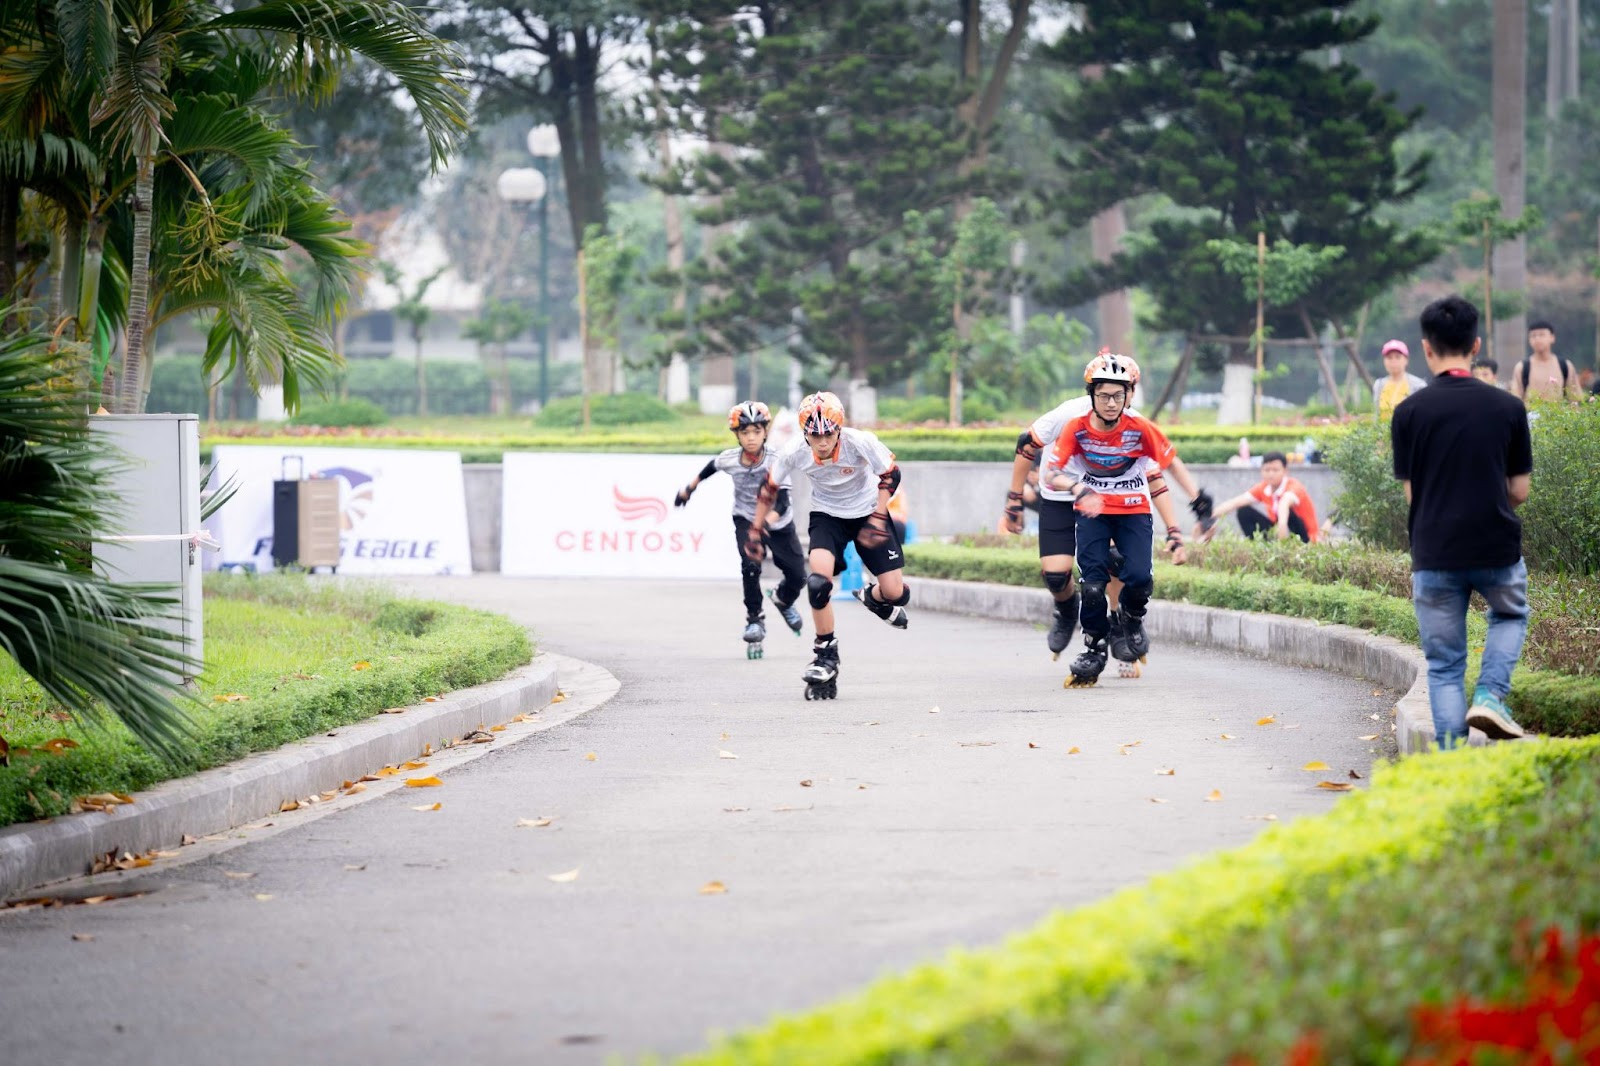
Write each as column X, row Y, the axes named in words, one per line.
column 1102, row 461
column 1278, row 507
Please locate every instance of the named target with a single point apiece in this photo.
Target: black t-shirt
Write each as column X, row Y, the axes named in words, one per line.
column 1457, row 441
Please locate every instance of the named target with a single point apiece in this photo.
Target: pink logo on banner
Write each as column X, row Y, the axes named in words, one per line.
column 636, row 508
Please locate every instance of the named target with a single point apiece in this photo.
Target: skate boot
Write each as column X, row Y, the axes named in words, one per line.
column 1129, row 642
column 755, row 631
column 791, row 616
column 822, row 676
column 1087, row 667
column 894, row 614
column 1063, row 620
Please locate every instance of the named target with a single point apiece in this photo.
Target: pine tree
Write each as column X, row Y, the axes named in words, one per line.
column 838, row 119
column 1241, row 121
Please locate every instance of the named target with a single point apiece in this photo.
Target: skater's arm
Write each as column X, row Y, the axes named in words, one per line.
column 1026, row 459
column 1162, row 502
column 694, row 483
column 780, row 507
column 1244, row 499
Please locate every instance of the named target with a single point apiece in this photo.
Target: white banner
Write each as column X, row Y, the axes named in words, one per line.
column 569, row 514
column 400, row 511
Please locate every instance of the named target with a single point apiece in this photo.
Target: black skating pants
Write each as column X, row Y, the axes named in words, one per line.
column 1253, row 523
column 784, row 547
column 1132, row 533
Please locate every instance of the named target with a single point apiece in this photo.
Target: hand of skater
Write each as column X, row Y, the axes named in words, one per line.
column 875, row 531
column 1202, row 505
column 1205, row 529
column 683, row 497
column 1013, row 513
column 1180, row 554
column 1090, row 503
column 755, row 549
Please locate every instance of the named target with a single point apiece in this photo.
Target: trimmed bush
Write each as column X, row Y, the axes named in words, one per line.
column 1248, row 950
column 626, row 409
column 933, row 409
column 1371, row 503
column 341, row 413
column 1561, row 520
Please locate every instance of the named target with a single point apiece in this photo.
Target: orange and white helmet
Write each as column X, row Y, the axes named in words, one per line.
column 1109, row 366
column 749, row 413
column 821, row 412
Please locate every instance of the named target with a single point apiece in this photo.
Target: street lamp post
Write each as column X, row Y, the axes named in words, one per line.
column 525, row 185
column 544, row 145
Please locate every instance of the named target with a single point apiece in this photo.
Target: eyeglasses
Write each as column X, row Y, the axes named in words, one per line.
column 1111, row 397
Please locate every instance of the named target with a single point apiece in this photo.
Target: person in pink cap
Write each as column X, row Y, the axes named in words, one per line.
column 1388, row 391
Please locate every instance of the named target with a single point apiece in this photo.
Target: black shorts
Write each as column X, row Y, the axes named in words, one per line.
column 1058, row 528
column 832, row 534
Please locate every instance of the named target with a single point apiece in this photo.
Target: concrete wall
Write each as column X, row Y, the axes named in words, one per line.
column 944, row 498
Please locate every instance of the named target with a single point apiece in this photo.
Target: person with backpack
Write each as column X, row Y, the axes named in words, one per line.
column 1544, row 375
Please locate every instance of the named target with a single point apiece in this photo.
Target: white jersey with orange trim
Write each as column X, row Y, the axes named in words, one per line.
column 844, row 485
column 1048, row 426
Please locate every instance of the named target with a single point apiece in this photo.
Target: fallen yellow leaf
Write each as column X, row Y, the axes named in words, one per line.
column 362, row 665
column 1268, row 720
column 497, row 729
column 933, row 710
column 430, row 699
column 724, row 735
column 1228, row 736
column 412, row 764
column 387, row 771
column 726, row 755
column 239, row 875
column 1214, row 796
column 591, row 757
column 428, row 807
column 1335, row 786
column 713, row 888
column 263, row 896
column 566, row 878
column 1031, row 744
column 1170, row 772
column 229, row 697
column 806, row 783
column 289, row 805
column 532, row 823
column 558, row 697
column 1074, row 750
column 1315, row 764
column 1369, row 736
column 1157, row 799
column 423, row 782
column 58, row 745
column 1263, row 817
column 186, row 840
column 352, row 789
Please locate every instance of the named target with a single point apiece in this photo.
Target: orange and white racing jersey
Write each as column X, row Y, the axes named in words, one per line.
column 1112, row 462
column 845, row 484
column 1048, row 426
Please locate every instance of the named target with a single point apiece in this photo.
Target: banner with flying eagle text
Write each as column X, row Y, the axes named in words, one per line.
column 569, row 514
column 401, row 511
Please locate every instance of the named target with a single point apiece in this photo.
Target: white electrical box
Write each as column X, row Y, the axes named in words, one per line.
column 156, row 486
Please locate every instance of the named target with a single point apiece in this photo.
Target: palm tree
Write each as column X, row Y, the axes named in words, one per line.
column 90, row 644
column 136, row 63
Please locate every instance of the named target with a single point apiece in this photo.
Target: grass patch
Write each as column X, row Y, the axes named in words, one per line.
column 306, row 656
column 1320, row 583
column 1337, row 925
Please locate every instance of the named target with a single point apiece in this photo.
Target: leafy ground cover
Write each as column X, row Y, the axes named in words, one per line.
column 1358, row 936
column 1555, row 691
column 287, row 657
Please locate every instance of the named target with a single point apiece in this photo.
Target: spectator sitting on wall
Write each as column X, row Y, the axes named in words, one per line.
column 1279, row 504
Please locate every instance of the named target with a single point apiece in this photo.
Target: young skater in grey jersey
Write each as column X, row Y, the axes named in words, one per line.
column 748, row 466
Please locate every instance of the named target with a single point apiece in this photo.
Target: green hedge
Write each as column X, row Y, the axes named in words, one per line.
column 417, row 649
column 1557, row 704
column 1336, row 925
column 354, row 412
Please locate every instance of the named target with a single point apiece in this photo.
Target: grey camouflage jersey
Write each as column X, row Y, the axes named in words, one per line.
column 747, row 482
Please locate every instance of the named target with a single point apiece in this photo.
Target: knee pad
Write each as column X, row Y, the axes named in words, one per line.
column 1057, row 584
column 749, row 568
column 1114, row 561
column 1093, row 592
column 1135, row 597
column 904, row 597
column 819, row 590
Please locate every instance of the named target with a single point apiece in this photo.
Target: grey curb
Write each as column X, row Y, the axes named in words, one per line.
column 255, row 786
column 1342, row 649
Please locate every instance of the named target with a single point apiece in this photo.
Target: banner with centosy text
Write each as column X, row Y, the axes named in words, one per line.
column 569, row 514
column 400, row 511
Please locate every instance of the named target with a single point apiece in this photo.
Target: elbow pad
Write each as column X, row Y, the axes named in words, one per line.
column 890, row 480
column 1027, row 447
column 769, row 493
column 781, row 504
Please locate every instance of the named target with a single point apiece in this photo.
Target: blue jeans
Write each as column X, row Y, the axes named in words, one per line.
column 1440, row 599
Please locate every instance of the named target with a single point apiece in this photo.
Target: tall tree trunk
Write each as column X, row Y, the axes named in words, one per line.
column 1561, row 65
column 587, row 55
column 130, row 384
column 1115, row 310
column 422, row 373
column 1510, row 116
column 675, row 375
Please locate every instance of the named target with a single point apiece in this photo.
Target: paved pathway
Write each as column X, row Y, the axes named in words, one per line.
column 918, row 831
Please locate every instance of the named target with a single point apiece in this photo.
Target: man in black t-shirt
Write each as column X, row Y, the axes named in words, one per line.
column 1463, row 451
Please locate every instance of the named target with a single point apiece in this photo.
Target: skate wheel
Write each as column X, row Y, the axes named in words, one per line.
column 1080, row 682
column 752, row 651
column 1128, row 669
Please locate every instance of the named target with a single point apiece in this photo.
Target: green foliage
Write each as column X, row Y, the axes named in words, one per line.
column 95, row 646
column 1240, row 123
column 1561, row 520
column 289, row 644
column 1371, row 503
column 626, row 409
column 1284, row 275
column 610, row 263
column 1206, row 949
column 932, row 409
column 352, row 412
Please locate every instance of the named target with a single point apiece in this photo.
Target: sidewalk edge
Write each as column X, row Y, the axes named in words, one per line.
column 254, row 787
